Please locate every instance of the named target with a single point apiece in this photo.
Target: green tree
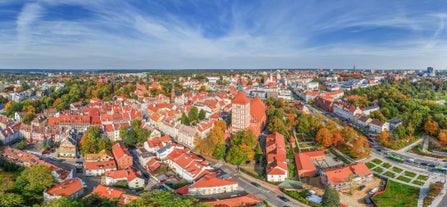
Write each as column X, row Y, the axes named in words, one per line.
column 277, row 125
column 63, row 201
column 242, row 147
column 96, row 201
column 184, row 119
column 193, row 115
column 10, row 199
column 158, row 198
column 33, row 180
column 202, row 114
column 331, row 197
column 128, row 136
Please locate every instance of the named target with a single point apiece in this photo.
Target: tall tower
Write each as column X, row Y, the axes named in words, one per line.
column 172, row 94
column 240, row 112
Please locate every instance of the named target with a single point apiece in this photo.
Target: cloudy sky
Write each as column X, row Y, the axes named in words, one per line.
column 165, row 34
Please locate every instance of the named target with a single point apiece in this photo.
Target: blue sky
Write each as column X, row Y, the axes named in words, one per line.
column 167, row 34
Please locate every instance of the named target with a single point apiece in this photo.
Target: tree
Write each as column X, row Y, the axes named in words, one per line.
column 242, row 147
column 330, row 197
column 431, row 127
column 324, row 137
column 442, row 136
column 184, row 119
column 193, row 115
column 90, row 142
column 63, row 201
column 10, row 199
column 33, row 180
column 202, row 114
column 337, row 138
column 128, row 136
column 158, row 198
column 384, row 138
column 214, row 144
column 277, row 125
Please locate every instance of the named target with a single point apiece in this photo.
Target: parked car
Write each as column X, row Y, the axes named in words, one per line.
column 283, row 198
column 373, row 191
column 255, row 184
column 362, row 187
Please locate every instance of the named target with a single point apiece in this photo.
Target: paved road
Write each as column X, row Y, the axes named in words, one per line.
column 267, row 191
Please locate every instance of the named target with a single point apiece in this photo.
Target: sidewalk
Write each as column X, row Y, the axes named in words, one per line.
column 424, row 190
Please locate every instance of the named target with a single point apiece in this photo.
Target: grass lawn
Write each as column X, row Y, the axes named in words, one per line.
column 386, row 165
column 377, row 161
column 390, row 174
column 417, row 182
column 423, row 177
column 403, row 178
column 410, row 174
column 398, row 195
column 378, row 170
column 397, row 170
column 370, row 165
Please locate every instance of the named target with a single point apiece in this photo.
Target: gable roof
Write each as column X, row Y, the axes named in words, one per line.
column 66, row 188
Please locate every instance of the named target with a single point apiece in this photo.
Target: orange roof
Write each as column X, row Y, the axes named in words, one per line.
column 120, row 151
column 318, row 154
column 257, row 109
column 66, row 188
column 341, row 175
column 100, row 165
column 304, row 162
column 211, row 180
column 107, row 192
column 247, row 200
column 241, row 98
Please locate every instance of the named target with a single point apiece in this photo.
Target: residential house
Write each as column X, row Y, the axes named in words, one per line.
column 122, row 156
column 102, row 155
column 186, row 136
column 72, row 189
column 275, row 150
column 188, row 165
column 97, row 168
column 304, row 162
column 133, row 177
column 211, row 184
column 67, row 148
column 378, row 126
column 343, row 178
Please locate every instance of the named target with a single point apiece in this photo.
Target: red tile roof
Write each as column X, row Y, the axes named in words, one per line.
column 66, row 188
column 211, row 180
column 107, row 192
column 96, row 165
column 344, row 174
column 240, row 98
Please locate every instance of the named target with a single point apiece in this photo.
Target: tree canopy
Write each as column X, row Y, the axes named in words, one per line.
column 242, row 147
column 330, row 197
column 158, row 198
column 92, row 142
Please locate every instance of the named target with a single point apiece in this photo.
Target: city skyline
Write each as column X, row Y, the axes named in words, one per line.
column 113, row 34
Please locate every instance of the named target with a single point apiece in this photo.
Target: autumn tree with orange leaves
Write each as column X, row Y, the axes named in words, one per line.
column 431, row 127
column 324, row 137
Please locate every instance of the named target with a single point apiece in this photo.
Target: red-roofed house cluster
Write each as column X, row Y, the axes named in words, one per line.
column 343, row 178
column 275, row 150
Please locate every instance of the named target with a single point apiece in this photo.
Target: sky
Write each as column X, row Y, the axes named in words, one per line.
column 222, row 34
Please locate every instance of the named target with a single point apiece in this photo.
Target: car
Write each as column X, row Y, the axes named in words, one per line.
column 373, row 191
column 255, row 184
column 410, row 160
column 335, row 158
column 283, row 198
column 431, row 165
column 368, row 200
column 362, row 187
column 424, row 163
